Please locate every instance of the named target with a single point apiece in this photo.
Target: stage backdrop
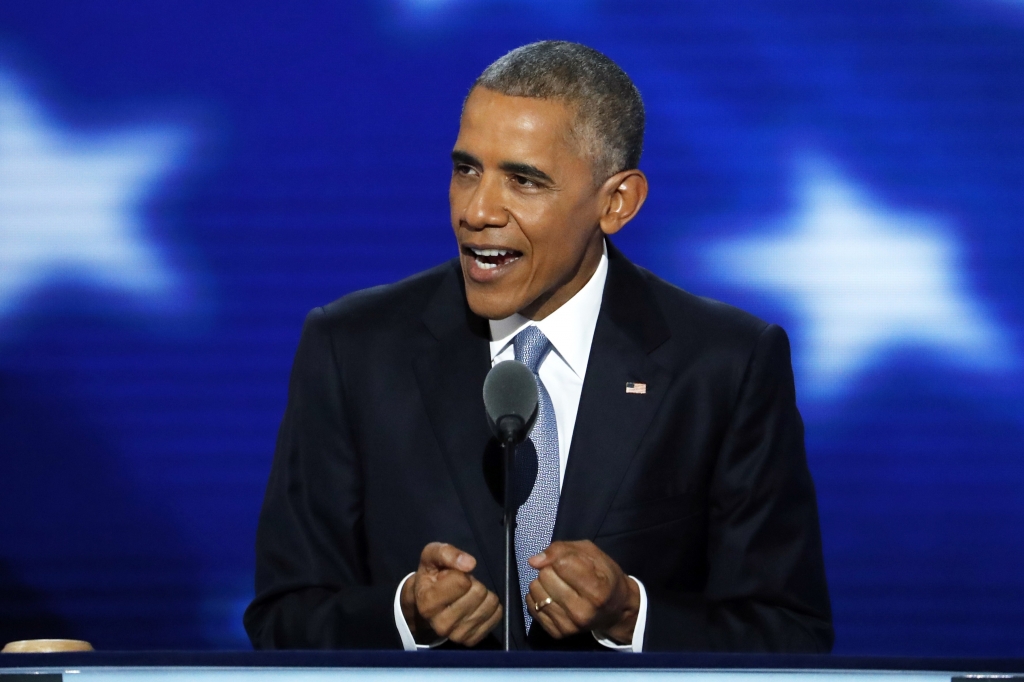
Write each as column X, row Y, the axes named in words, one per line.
column 180, row 182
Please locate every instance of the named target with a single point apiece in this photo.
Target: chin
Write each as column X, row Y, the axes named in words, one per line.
column 489, row 306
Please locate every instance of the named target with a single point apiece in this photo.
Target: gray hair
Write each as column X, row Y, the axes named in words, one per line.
column 609, row 125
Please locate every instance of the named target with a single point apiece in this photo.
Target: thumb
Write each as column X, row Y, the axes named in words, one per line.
column 548, row 555
column 440, row 555
column 539, row 560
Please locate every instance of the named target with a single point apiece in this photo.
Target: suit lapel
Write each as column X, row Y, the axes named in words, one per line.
column 450, row 371
column 611, row 423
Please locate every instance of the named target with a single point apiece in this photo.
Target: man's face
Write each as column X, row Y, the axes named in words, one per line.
column 524, row 206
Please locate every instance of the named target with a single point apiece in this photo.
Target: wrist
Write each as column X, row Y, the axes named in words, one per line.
column 420, row 628
column 408, row 602
column 622, row 631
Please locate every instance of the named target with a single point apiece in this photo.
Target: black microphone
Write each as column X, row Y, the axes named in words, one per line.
column 510, row 398
column 511, row 402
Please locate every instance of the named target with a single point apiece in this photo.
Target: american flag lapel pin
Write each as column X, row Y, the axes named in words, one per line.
column 636, row 387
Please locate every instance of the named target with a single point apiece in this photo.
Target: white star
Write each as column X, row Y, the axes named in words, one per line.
column 863, row 280
column 70, row 203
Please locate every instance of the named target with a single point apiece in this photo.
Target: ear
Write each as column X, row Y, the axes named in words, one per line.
column 624, row 193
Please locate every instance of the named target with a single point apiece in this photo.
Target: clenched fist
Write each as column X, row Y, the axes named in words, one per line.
column 442, row 599
column 587, row 590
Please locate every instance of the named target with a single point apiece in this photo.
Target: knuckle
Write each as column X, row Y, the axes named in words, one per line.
column 454, row 582
column 571, row 628
column 462, row 582
column 458, row 635
column 470, row 620
column 578, row 617
column 444, row 625
column 426, row 604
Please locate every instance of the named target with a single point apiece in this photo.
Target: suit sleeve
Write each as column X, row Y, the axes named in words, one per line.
column 766, row 588
column 313, row 586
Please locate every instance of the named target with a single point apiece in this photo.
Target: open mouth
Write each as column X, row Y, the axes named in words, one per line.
column 488, row 259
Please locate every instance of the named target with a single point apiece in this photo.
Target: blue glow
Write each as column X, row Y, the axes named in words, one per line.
column 850, row 170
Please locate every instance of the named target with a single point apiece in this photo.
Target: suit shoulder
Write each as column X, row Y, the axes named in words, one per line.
column 720, row 338
column 718, row 322
column 384, row 307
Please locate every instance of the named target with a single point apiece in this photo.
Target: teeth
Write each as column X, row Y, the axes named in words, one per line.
column 492, row 253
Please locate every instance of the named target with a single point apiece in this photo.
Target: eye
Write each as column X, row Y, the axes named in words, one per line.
column 464, row 169
column 523, row 181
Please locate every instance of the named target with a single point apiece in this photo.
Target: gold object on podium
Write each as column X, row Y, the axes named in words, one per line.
column 45, row 646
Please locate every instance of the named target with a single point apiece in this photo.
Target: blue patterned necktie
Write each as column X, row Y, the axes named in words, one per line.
column 536, row 518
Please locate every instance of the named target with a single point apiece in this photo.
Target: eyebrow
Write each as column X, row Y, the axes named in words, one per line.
column 516, row 167
column 526, row 170
column 459, row 156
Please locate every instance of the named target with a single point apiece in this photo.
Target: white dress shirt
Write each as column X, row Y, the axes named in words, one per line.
column 570, row 329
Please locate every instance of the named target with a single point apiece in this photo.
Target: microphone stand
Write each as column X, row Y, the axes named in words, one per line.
column 511, row 403
column 508, row 447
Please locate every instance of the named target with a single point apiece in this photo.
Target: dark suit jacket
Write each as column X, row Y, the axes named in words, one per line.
column 699, row 487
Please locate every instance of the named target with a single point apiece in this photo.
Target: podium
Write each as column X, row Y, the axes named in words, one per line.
column 459, row 666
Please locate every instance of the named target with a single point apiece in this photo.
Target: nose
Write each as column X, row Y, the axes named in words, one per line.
column 486, row 206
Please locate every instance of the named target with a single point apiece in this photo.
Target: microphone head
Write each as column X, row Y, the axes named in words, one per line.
column 510, row 399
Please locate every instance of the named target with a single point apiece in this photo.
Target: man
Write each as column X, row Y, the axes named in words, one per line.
column 672, row 507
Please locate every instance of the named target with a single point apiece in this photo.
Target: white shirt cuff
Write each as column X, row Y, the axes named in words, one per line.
column 408, row 641
column 637, row 645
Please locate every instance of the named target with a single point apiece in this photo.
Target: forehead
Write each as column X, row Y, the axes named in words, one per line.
column 516, row 128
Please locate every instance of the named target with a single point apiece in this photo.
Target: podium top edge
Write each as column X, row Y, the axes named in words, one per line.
column 499, row 660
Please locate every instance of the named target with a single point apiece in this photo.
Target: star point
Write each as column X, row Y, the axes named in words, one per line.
column 70, row 204
column 863, row 279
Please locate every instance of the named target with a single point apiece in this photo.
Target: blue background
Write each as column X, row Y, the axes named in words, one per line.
column 274, row 156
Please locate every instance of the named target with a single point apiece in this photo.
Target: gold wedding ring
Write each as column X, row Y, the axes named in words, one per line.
column 539, row 605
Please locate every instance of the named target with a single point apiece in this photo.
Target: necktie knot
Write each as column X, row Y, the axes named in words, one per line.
column 530, row 346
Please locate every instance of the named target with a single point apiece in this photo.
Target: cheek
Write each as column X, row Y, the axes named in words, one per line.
column 542, row 225
column 558, row 236
column 453, row 201
column 460, row 194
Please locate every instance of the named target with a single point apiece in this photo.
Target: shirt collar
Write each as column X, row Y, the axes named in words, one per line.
column 570, row 329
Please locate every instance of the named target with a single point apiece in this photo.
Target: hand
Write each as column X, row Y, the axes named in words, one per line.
column 589, row 592
column 442, row 600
